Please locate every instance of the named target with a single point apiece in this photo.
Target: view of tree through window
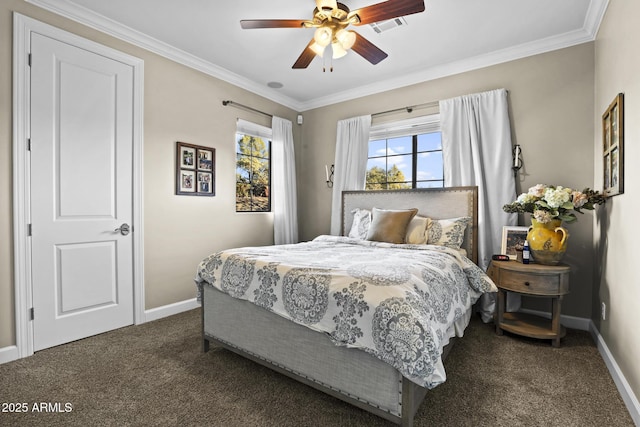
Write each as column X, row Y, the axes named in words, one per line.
column 253, row 174
column 412, row 161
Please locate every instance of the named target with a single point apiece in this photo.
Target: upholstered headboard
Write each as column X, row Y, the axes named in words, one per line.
column 436, row 203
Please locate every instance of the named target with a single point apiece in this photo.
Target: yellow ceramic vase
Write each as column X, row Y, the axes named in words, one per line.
column 547, row 242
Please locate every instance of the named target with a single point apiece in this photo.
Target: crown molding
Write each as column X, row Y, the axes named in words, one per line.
column 587, row 33
column 456, row 67
column 595, row 15
column 84, row 16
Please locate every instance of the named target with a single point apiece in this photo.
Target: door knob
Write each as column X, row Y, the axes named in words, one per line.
column 123, row 229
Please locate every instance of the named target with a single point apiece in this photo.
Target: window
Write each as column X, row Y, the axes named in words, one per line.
column 406, row 154
column 253, row 168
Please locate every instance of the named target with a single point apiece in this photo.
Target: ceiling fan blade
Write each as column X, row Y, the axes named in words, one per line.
column 368, row 50
column 305, row 57
column 388, row 10
column 249, row 24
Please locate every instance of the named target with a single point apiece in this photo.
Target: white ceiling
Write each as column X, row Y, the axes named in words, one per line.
column 451, row 36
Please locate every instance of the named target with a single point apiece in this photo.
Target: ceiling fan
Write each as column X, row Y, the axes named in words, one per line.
column 331, row 18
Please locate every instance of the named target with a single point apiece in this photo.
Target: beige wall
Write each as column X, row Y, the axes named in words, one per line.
column 617, row 69
column 551, row 99
column 180, row 104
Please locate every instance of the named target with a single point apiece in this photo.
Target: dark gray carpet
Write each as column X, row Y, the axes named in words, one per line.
column 156, row 375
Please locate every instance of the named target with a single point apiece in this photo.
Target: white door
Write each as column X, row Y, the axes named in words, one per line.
column 81, row 191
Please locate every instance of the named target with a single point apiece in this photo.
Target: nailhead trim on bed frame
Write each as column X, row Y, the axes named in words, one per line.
column 300, row 375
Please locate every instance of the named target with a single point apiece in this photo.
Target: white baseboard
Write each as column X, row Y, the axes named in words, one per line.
column 629, row 398
column 170, row 310
column 9, row 354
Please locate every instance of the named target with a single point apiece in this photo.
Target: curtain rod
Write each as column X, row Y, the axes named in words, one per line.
column 408, row 109
column 232, row 103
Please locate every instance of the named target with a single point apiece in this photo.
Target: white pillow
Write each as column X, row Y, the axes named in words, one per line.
column 417, row 230
column 447, row 232
column 360, row 225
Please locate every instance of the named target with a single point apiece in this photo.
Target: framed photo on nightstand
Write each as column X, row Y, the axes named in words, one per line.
column 513, row 238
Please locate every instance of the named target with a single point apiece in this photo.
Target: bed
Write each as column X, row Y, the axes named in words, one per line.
column 366, row 321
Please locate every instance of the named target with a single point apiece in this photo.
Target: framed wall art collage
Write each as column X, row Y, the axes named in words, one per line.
column 195, row 170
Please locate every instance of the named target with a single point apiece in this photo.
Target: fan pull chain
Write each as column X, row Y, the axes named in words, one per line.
column 324, row 64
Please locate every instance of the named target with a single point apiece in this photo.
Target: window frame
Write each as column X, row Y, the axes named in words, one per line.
column 245, row 128
column 407, row 128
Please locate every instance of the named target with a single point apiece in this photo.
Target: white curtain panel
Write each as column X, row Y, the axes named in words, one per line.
column 352, row 147
column 477, row 150
column 283, row 180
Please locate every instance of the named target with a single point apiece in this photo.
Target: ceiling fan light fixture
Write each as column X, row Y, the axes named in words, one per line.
column 323, row 36
column 346, row 38
column 331, row 18
column 318, row 49
column 338, row 50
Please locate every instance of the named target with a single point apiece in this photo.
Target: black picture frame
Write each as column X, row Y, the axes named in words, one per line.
column 195, row 170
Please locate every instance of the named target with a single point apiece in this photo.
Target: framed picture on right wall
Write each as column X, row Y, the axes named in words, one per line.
column 613, row 147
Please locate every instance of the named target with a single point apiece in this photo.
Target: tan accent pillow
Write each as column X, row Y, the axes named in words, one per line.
column 390, row 225
column 417, row 230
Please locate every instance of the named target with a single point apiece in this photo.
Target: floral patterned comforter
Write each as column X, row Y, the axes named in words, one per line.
column 394, row 301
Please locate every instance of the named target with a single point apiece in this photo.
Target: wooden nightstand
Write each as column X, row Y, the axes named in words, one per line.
column 550, row 281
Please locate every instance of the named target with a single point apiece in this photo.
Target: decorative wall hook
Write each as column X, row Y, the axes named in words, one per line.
column 329, row 175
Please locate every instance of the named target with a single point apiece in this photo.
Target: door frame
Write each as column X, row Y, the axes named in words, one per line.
column 23, row 26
